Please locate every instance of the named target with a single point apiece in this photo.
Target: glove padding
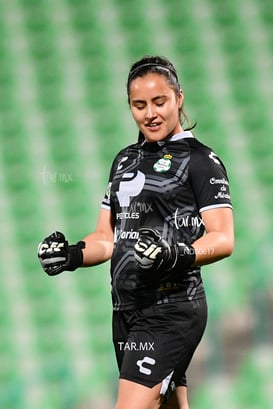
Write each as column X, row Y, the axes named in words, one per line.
column 56, row 255
column 151, row 250
column 153, row 253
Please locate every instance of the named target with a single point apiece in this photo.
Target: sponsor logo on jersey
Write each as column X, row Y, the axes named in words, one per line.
column 222, row 195
column 120, row 165
column 125, row 235
column 127, row 215
column 134, row 210
column 163, row 164
column 214, row 181
column 214, row 157
column 223, row 192
column 130, row 186
column 146, row 360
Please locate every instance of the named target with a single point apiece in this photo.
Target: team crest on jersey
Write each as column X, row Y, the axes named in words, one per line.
column 163, row 164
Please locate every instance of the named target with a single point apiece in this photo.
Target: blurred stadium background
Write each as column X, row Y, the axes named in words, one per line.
column 63, row 116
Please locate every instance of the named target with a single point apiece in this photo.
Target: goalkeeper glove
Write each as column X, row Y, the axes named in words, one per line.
column 56, row 255
column 153, row 252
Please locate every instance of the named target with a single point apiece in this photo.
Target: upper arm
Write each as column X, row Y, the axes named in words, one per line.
column 219, row 220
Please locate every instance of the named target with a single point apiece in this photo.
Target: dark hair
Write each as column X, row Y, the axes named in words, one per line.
column 162, row 66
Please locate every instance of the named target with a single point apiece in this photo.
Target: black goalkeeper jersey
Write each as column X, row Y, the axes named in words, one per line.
column 165, row 185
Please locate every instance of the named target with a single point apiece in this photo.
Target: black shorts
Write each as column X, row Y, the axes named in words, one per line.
column 155, row 344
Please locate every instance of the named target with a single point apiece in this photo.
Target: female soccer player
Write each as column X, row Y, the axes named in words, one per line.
column 166, row 212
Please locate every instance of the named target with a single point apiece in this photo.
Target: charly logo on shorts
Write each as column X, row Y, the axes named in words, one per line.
column 163, row 164
column 144, row 369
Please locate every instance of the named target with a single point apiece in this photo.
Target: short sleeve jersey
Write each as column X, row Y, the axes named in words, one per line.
column 165, row 185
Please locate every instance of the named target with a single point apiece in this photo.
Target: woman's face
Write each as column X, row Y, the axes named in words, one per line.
column 155, row 107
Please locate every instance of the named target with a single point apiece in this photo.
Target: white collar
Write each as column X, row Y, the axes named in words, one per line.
column 173, row 138
column 177, row 137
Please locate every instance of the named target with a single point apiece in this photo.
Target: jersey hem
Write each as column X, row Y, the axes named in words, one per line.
column 158, row 302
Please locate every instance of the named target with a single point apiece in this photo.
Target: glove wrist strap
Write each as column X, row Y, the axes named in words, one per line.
column 75, row 255
column 185, row 256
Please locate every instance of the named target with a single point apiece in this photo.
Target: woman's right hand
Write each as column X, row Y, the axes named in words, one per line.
column 56, row 255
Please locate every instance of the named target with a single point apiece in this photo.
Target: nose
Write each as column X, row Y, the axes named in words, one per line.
column 149, row 112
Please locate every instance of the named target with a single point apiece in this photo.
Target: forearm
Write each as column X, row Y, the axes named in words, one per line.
column 212, row 247
column 98, row 249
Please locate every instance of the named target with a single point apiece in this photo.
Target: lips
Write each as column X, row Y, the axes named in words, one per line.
column 153, row 126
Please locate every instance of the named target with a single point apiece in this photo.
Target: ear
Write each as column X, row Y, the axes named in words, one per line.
column 180, row 98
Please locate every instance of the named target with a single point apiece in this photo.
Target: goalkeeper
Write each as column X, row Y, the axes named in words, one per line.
column 166, row 212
